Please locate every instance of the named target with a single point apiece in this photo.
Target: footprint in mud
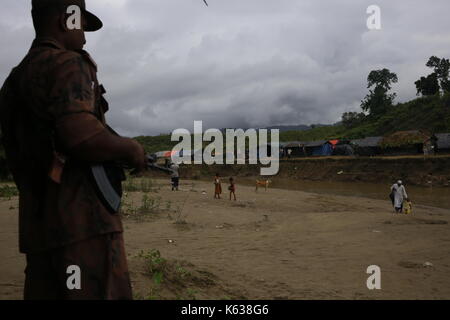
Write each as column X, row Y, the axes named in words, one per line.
column 260, row 225
column 183, row 225
column 327, row 205
column 246, row 204
column 225, row 226
column 416, row 221
column 414, row 265
column 424, row 221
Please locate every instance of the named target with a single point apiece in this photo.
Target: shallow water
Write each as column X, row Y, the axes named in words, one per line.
column 435, row 197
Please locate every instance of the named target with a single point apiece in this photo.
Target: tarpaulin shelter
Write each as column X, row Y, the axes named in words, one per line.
column 405, row 142
column 369, row 146
column 443, row 142
column 343, row 149
column 296, row 147
column 319, row 148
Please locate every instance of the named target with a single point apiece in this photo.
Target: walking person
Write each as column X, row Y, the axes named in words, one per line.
column 232, row 188
column 175, row 177
column 217, row 187
column 398, row 196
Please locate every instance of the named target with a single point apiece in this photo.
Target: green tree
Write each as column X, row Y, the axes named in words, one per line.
column 352, row 119
column 378, row 101
column 427, row 86
column 442, row 70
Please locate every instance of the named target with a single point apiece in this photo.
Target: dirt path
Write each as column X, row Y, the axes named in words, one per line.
column 277, row 244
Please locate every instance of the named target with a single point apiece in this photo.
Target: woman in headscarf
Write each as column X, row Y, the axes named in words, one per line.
column 399, row 195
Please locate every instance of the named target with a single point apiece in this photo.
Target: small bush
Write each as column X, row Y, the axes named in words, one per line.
column 8, row 192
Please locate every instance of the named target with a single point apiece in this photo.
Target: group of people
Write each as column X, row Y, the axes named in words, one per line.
column 175, row 182
column 218, row 187
column 398, row 195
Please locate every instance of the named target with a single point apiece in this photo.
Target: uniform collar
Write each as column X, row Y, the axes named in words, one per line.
column 52, row 43
column 46, row 41
column 88, row 57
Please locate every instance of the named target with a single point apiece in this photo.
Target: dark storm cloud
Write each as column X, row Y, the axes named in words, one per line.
column 250, row 63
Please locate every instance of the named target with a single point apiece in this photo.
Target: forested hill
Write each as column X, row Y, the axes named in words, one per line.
column 379, row 115
column 431, row 113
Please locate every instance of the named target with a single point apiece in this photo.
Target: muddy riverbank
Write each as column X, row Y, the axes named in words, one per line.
column 414, row 171
column 279, row 244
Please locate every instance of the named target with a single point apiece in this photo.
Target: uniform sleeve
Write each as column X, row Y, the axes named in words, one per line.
column 71, row 86
column 72, row 101
column 74, row 129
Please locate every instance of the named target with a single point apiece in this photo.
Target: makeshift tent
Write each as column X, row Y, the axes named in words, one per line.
column 282, row 149
column 296, row 147
column 343, row 149
column 319, row 148
column 404, row 142
column 268, row 147
column 334, row 143
column 443, row 142
column 369, row 146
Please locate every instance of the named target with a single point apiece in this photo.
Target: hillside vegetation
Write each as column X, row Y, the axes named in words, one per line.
column 380, row 115
column 430, row 113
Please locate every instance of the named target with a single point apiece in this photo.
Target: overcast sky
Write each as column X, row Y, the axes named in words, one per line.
column 243, row 63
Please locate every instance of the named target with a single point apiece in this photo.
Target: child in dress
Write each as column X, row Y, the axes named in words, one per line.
column 217, row 187
column 232, row 188
column 408, row 206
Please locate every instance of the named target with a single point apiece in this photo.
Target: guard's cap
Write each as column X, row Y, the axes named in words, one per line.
column 93, row 22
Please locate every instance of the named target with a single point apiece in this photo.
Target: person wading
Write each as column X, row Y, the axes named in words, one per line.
column 398, row 196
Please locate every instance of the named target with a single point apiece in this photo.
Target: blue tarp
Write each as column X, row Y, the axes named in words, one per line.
column 324, row 150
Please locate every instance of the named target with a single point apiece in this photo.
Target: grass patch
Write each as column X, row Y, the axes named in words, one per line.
column 8, row 192
column 145, row 185
column 144, row 207
column 171, row 279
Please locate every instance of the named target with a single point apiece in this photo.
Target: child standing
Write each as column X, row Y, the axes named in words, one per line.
column 408, row 206
column 232, row 188
column 217, row 187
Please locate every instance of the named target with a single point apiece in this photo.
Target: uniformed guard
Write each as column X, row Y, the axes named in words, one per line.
column 53, row 125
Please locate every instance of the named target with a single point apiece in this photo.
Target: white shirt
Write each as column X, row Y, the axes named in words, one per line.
column 174, row 167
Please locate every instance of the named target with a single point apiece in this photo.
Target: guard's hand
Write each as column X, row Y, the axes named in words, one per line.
column 138, row 159
column 151, row 158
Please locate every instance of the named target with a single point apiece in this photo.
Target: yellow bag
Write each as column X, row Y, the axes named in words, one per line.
column 408, row 207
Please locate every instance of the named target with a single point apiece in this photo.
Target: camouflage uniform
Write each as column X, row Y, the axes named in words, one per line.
column 60, row 224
